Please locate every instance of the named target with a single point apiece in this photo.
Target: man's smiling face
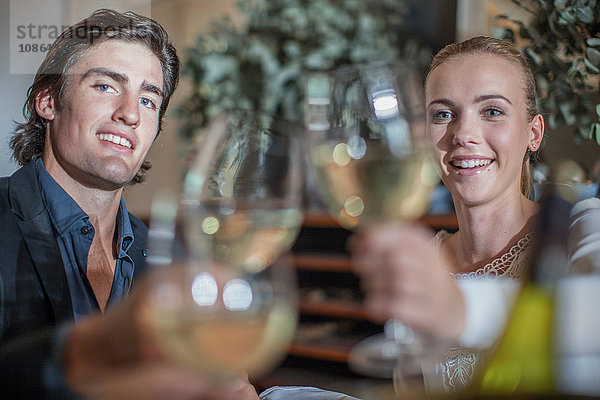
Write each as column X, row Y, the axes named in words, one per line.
column 108, row 117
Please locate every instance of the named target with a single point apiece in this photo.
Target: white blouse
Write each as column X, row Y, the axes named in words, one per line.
column 490, row 292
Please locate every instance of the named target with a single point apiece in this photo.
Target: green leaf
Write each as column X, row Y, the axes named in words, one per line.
column 566, row 17
column 565, row 109
column 591, row 67
column 574, row 72
column 560, row 4
column 315, row 61
column 584, row 133
column 595, row 132
column 598, row 110
column 593, row 55
column 542, row 83
column 593, row 42
column 217, row 66
column 552, row 121
column 500, row 33
column 585, row 14
column 534, row 56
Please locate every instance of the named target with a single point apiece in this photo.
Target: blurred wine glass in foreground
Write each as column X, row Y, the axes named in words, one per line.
column 372, row 163
column 230, row 305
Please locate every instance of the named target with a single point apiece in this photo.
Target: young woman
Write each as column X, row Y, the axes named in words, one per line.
column 481, row 115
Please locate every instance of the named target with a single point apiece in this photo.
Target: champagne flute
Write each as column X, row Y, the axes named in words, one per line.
column 229, row 305
column 372, row 163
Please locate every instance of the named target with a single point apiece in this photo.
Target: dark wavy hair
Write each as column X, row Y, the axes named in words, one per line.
column 28, row 138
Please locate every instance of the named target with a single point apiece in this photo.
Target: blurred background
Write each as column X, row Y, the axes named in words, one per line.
column 233, row 61
column 257, row 54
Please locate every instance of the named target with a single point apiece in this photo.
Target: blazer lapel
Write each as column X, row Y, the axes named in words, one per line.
column 36, row 228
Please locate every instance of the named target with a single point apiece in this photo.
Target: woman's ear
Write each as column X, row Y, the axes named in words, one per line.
column 44, row 105
column 536, row 132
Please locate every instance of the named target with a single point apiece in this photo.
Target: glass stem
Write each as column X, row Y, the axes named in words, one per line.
column 398, row 332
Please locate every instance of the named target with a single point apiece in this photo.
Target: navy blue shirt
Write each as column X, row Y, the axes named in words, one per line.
column 74, row 234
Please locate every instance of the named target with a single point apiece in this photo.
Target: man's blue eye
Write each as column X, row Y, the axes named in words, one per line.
column 103, row 87
column 146, row 102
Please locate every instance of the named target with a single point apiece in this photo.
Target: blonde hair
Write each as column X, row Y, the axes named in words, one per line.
column 506, row 50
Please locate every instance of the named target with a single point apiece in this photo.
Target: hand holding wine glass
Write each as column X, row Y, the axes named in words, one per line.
column 373, row 165
column 406, row 278
column 231, row 307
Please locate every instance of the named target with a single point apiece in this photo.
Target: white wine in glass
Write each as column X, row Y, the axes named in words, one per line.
column 371, row 164
column 229, row 305
column 250, row 239
column 225, row 324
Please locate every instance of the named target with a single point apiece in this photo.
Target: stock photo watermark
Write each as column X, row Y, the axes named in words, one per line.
column 36, row 24
column 36, row 38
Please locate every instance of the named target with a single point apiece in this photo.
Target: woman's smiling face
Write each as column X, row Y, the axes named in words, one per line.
column 476, row 116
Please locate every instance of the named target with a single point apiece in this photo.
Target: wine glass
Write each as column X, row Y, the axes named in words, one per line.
column 372, row 163
column 229, row 304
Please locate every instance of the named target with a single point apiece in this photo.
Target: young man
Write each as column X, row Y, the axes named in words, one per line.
column 96, row 104
column 69, row 247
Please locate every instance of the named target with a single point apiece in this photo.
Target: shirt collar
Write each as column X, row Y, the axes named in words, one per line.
column 125, row 229
column 64, row 211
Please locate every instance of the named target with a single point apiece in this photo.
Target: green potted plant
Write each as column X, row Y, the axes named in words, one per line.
column 263, row 66
column 562, row 40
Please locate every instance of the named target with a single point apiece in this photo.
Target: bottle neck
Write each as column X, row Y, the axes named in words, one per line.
column 549, row 259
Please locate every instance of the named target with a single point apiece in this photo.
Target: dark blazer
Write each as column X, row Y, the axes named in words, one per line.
column 34, row 293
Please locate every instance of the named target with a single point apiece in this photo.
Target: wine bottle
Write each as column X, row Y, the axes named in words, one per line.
column 523, row 361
